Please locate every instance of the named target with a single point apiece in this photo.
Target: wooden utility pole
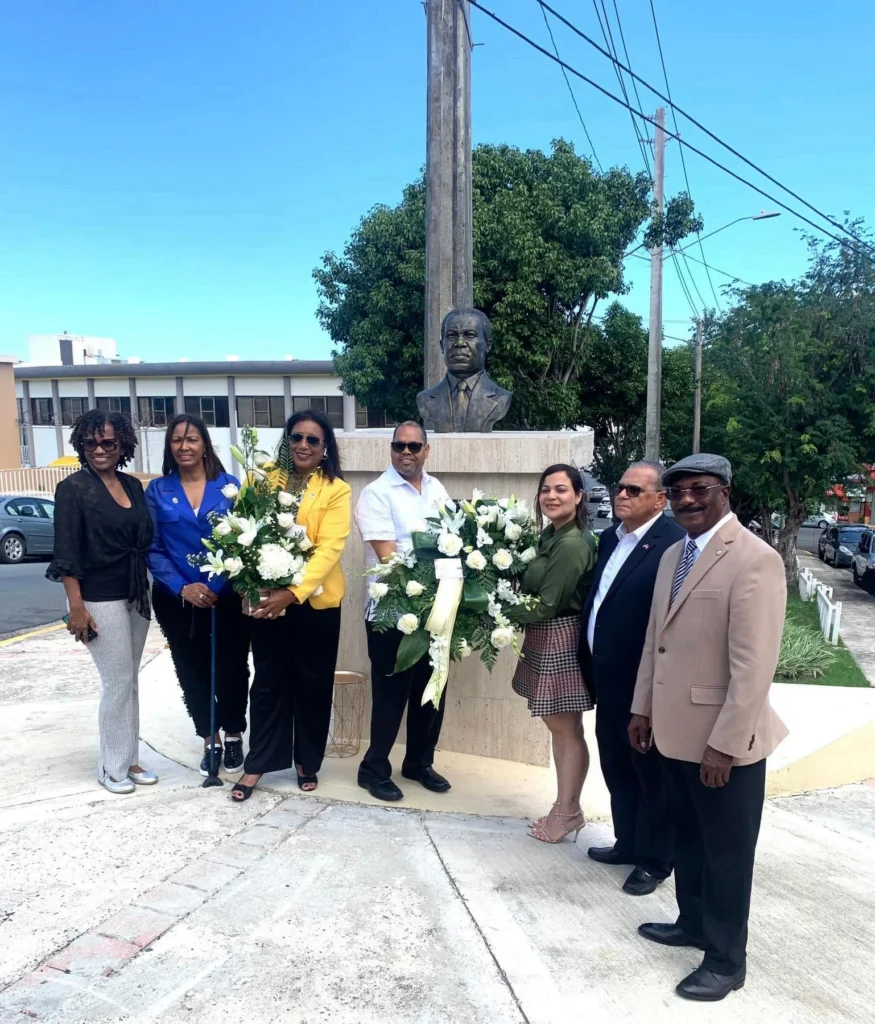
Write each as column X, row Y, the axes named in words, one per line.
column 654, row 354
column 449, row 236
column 697, row 409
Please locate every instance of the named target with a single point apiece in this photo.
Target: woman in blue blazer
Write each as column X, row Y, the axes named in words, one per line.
column 181, row 503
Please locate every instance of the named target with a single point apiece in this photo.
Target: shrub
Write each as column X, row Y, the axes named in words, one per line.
column 805, row 654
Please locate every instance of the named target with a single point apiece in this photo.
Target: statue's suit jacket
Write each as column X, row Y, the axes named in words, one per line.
column 709, row 660
column 487, row 404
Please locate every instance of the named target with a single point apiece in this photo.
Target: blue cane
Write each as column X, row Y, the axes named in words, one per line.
column 213, row 778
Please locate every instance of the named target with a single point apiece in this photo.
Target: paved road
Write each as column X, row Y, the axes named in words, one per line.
column 27, row 598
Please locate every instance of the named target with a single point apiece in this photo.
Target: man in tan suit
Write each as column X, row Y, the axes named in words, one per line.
column 702, row 697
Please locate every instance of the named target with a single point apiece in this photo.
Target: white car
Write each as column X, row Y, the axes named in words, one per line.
column 821, row 520
column 605, row 509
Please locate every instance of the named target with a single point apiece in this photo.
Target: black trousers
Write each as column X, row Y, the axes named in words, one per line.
column 643, row 826
column 391, row 694
column 290, row 700
column 716, row 838
column 187, row 631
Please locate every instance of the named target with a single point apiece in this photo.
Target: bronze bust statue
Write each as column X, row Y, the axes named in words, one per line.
column 466, row 400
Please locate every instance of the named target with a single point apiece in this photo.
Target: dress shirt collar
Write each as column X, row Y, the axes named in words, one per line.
column 639, row 533
column 701, row 542
column 397, row 480
column 472, row 381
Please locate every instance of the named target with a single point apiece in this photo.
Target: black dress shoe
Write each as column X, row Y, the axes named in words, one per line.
column 382, row 789
column 708, row 987
column 641, row 883
column 429, row 778
column 668, row 935
column 609, row 855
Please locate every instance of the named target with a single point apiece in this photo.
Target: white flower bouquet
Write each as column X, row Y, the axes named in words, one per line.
column 258, row 544
column 458, row 590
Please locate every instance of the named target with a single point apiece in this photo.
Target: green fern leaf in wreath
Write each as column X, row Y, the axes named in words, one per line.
column 284, row 462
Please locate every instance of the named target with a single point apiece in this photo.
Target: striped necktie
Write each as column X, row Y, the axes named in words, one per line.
column 687, row 561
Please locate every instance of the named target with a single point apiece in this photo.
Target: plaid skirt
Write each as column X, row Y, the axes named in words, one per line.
column 548, row 674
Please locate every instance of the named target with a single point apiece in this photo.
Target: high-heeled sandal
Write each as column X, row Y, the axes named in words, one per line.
column 540, row 821
column 540, row 832
column 245, row 791
column 308, row 783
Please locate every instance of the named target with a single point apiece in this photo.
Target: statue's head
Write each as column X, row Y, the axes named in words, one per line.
column 466, row 338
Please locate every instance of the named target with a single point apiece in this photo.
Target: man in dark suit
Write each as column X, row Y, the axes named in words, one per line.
column 466, row 400
column 613, row 627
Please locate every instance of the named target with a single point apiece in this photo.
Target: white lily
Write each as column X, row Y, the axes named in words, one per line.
column 215, row 563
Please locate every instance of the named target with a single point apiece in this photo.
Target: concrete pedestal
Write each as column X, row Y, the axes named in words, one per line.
column 483, row 716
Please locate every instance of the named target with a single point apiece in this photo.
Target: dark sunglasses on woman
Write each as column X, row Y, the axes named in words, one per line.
column 311, row 439
column 91, row 445
column 414, row 446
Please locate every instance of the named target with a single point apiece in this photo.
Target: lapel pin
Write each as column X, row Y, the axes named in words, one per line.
column 176, row 501
column 645, row 547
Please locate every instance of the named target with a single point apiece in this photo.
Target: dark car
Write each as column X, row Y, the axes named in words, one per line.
column 840, row 544
column 27, row 526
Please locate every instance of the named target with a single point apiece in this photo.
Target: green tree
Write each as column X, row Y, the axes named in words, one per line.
column 549, row 238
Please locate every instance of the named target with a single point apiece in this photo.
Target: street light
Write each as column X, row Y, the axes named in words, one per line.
column 763, row 215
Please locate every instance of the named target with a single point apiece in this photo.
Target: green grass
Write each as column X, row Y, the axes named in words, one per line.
column 843, row 671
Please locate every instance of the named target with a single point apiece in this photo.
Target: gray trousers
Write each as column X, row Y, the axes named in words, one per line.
column 121, row 637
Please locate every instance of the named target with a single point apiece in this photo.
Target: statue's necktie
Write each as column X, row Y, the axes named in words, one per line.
column 688, row 560
column 463, row 394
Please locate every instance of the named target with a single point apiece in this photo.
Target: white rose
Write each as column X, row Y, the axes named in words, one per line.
column 513, row 532
column 233, row 566
column 223, row 528
column 408, row 623
column 285, row 520
column 476, row 560
column 414, row 589
column 502, row 559
column 285, row 499
column 378, row 590
column 261, row 460
column 502, row 637
column 449, row 544
column 528, row 555
column 230, row 490
column 464, row 650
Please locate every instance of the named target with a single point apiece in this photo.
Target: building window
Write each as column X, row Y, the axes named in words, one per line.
column 156, row 412
column 213, row 410
column 261, row 412
column 361, row 415
column 41, row 412
column 72, row 409
column 329, row 405
column 379, row 418
column 115, row 405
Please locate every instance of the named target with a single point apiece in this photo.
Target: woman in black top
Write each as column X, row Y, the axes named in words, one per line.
column 102, row 534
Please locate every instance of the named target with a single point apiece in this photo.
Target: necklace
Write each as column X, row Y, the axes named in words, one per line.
column 298, row 482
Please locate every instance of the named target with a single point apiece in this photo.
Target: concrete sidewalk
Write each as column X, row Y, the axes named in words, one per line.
column 175, row 904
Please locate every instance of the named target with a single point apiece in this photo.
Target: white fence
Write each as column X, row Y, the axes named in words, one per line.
column 42, row 481
column 829, row 611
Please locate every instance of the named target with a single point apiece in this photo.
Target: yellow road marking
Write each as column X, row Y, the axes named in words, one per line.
column 35, row 632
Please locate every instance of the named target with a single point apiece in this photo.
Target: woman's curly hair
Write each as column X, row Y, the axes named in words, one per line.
column 91, row 424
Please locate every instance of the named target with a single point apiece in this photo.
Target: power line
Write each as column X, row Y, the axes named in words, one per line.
column 725, row 273
column 684, row 286
column 674, row 118
column 571, row 91
column 689, row 117
column 673, row 135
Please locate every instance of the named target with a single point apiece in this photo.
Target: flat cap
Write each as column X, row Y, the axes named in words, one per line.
column 715, row 465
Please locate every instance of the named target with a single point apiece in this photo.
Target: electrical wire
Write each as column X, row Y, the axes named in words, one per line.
column 683, row 158
column 716, row 270
column 689, row 117
column 571, row 91
column 673, row 135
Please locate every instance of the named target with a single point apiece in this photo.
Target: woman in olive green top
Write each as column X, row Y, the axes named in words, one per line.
column 548, row 674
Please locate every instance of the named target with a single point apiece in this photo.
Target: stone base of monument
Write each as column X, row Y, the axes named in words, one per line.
column 483, row 714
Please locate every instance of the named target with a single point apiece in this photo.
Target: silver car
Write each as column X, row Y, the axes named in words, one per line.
column 863, row 565
column 27, row 526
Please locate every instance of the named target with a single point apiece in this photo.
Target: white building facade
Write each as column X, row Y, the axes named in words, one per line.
column 227, row 395
column 70, row 350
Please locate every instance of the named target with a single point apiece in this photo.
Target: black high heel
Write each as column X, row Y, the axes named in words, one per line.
column 308, row 780
column 246, row 791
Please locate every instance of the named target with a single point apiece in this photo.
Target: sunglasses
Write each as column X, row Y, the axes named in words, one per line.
column 91, row 445
column 697, row 491
column 311, row 439
column 415, row 446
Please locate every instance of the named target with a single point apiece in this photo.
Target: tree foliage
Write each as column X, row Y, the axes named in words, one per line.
column 549, row 238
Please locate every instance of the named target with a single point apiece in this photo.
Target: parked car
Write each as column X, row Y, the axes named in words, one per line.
column 597, row 493
column 605, row 509
column 27, row 526
column 863, row 565
column 840, row 544
column 821, row 520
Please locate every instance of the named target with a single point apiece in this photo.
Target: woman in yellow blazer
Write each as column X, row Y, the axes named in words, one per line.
column 295, row 632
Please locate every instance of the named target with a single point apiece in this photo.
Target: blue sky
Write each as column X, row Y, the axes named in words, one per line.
column 172, row 172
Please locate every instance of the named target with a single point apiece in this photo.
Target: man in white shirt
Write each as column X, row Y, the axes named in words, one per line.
column 388, row 511
column 613, row 627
